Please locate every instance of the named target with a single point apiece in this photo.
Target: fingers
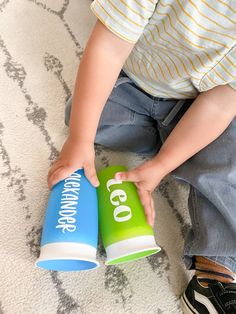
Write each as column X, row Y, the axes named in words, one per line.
column 153, row 212
column 149, row 212
column 91, row 175
column 148, row 205
column 59, row 174
column 131, row 175
column 139, row 176
column 60, row 171
column 56, row 165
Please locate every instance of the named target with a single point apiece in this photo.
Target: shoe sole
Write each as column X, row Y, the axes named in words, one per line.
column 186, row 306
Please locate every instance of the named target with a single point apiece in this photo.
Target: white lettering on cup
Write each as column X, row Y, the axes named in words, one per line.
column 67, row 213
column 121, row 195
column 65, row 227
column 76, row 191
column 68, row 204
column 112, row 182
column 69, row 197
column 69, row 201
column 122, row 209
column 69, row 220
column 71, row 184
column 121, row 198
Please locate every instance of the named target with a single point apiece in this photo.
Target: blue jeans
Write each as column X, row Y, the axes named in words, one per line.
column 133, row 120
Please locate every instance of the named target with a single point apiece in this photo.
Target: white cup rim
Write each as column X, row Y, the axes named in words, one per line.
column 68, row 251
column 131, row 246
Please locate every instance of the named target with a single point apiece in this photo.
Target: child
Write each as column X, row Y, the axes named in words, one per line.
column 177, row 78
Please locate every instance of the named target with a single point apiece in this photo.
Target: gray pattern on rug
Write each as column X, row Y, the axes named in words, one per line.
column 41, row 44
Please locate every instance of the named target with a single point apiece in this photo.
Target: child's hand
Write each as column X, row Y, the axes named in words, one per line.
column 146, row 177
column 73, row 156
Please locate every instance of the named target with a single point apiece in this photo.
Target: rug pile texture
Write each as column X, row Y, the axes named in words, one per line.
column 41, row 44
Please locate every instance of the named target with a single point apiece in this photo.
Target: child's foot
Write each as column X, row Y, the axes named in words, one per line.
column 217, row 298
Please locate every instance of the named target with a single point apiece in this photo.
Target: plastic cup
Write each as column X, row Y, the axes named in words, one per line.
column 70, row 231
column 125, row 233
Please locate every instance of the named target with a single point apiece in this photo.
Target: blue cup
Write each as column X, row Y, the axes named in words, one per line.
column 70, row 232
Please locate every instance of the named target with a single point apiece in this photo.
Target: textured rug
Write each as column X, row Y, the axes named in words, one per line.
column 41, row 43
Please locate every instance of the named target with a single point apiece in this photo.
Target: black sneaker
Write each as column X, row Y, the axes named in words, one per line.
column 218, row 298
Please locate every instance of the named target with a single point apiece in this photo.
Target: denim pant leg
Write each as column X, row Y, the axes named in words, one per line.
column 125, row 124
column 211, row 174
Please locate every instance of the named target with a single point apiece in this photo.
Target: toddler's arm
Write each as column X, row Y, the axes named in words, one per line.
column 103, row 58
column 208, row 116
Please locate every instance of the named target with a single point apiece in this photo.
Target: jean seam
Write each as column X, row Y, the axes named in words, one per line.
column 152, row 111
column 195, row 221
column 132, row 116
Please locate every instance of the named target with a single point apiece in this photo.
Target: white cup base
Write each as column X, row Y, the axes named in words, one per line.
column 67, row 256
column 130, row 247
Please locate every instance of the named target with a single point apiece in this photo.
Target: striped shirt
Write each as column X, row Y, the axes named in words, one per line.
column 182, row 47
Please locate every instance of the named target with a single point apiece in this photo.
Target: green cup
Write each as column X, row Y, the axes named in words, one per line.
column 125, row 233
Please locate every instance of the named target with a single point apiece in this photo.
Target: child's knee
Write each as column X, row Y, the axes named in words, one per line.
column 129, row 138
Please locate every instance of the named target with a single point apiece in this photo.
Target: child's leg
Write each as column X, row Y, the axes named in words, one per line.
column 211, row 174
column 125, row 123
column 212, row 201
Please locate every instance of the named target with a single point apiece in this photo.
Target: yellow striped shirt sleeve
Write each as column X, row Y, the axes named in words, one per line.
column 228, row 67
column 233, row 85
column 222, row 73
column 125, row 18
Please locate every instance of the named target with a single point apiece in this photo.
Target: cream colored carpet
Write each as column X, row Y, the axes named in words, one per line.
column 41, row 43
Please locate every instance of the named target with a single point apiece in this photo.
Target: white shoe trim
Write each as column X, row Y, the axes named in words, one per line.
column 186, row 306
column 205, row 301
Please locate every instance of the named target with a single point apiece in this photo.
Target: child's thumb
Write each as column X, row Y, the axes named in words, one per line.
column 91, row 174
column 130, row 175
